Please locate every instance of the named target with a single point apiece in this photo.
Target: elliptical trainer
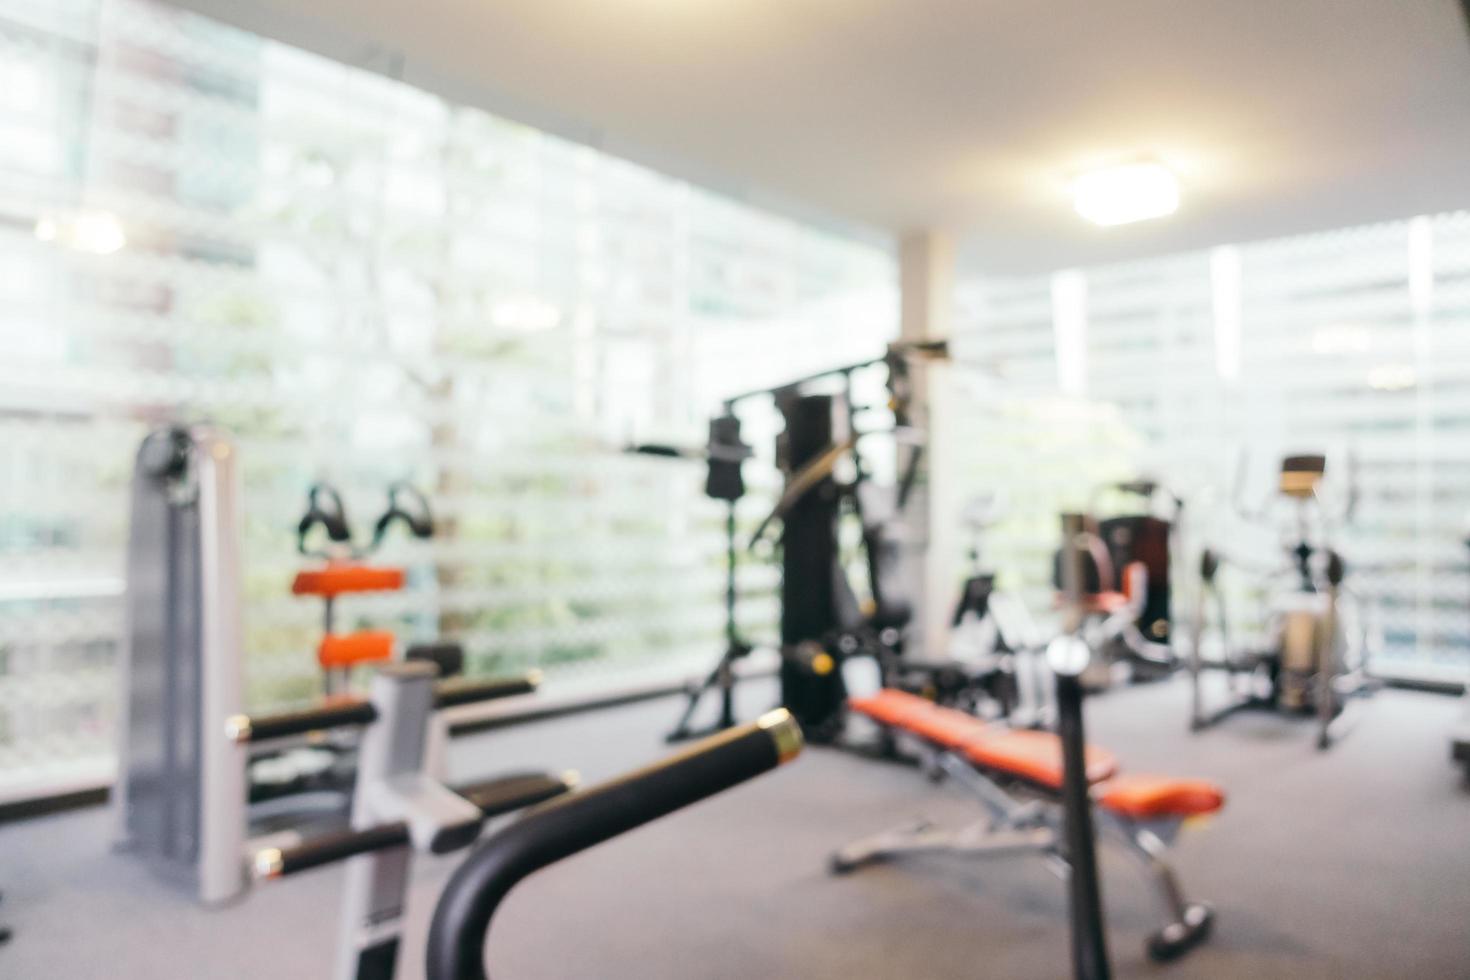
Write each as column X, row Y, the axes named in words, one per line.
column 1316, row 647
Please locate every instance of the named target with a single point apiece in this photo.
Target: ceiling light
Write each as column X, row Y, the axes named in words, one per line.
column 1132, row 192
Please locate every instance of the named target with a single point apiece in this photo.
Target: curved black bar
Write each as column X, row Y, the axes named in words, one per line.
column 324, row 507
column 456, row 947
column 416, row 516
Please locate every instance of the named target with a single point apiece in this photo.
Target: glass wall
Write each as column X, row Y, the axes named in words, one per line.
column 1204, row 369
column 365, row 283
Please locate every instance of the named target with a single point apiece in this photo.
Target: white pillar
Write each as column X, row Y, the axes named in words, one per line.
column 926, row 304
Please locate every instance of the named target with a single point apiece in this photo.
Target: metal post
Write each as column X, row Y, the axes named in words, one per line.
column 223, row 788
column 1069, row 656
column 1089, row 940
column 1209, row 566
column 1327, row 653
column 732, row 631
column 393, row 746
column 1073, row 526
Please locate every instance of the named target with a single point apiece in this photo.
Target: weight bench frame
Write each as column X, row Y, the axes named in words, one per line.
column 1030, row 821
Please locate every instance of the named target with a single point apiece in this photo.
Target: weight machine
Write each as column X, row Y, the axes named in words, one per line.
column 188, row 795
column 1314, row 658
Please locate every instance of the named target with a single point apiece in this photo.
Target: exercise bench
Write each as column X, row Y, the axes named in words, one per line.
column 1017, row 775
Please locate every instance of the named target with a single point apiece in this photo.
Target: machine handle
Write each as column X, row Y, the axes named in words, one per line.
column 277, row 862
column 493, row 798
column 456, row 947
column 243, row 728
column 416, row 515
column 448, row 695
column 324, row 507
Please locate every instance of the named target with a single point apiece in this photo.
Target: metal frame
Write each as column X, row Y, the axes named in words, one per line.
column 1336, row 689
column 183, row 794
column 1034, row 824
column 199, row 778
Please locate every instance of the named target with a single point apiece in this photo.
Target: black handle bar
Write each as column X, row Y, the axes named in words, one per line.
column 456, row 946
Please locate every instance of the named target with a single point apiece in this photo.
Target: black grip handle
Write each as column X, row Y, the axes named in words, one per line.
column 276, row 862
column 469, row 692
column 574, row 823
column 493, row 797
column 265, row 727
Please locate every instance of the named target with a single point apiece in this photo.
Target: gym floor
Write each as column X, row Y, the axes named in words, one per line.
column 1351, row 864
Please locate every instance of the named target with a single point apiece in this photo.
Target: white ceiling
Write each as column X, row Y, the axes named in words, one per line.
column 964, row 115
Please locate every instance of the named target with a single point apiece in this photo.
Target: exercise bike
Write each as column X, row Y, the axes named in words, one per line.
column 1316, row 645
column 1126, row 579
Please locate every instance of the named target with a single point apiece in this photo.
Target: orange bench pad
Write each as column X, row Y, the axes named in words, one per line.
column 1153, row 797
column 948, row 727
column 334, row 580
column 920, row 716
column 890, row 706
column 346, row 649
column 1034, row 756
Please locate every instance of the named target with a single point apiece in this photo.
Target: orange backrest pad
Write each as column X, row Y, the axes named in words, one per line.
column 1034, row 756
column 345, row 649
column 337, row 579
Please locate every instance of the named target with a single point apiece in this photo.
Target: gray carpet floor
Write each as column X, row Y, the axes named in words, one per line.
column 1350, row 864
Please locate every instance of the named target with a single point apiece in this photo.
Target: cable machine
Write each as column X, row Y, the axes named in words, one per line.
column 822, row 623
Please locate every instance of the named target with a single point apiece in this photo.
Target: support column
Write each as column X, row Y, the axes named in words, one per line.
column 926, row 305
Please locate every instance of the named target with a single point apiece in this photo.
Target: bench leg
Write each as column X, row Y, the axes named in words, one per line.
column 975, row 840
column 1004, row 809
column 1187, row 924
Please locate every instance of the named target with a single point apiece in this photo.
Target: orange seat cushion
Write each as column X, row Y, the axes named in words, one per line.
column 336, row 579
column 345, row 649
column 1034, row 756
column 1155, row 797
